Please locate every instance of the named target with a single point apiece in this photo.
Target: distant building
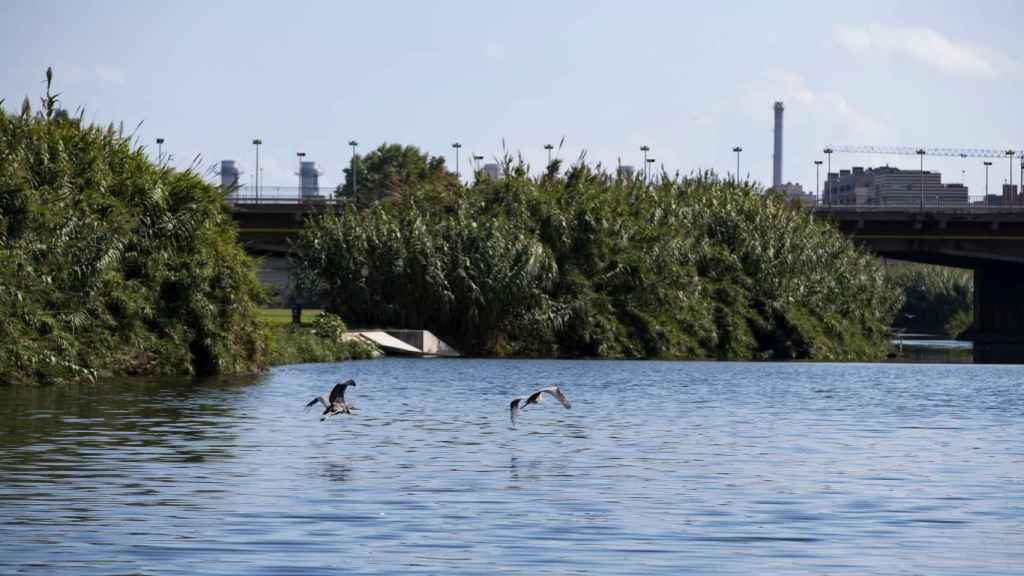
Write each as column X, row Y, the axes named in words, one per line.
column 493, row 171
column 795, row 193
column 230, row 177
column 626, row 171
column 888, row 186
column 1011, row 196
column 309, row 179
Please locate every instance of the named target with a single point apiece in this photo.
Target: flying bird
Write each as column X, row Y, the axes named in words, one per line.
column 523, row 401
column 335, row 403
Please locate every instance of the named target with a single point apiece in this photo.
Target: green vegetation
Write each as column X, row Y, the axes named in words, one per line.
column 936, row 299
column 321, row 341
column 593, row 264
column 284, row 315
column 109, row 264
column 392, row 169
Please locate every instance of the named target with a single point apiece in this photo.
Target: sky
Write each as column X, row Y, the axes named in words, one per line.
column 689, row 79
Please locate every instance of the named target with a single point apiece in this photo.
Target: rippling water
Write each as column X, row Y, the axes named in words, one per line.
column 712, row 468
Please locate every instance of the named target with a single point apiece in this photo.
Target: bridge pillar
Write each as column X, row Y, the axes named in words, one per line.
column 998, row 331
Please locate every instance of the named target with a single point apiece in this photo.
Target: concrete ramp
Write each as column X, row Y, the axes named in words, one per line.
column 389, row 344
column 406, row 342
column 426, row 341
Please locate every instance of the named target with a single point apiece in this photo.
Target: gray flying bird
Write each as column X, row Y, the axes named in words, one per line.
column 522, row 402
column 335, row 403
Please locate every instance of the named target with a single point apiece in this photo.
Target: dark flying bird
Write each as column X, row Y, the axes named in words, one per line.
column 522, row 402
column 335, row 403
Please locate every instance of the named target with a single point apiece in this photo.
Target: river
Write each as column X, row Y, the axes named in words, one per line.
column 658, row 468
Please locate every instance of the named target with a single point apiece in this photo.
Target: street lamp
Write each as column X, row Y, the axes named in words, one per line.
column 987, row 164
column 256, row 142
column 650, row 161
column 737, row 150
column 160, row 150
column 456, row 145
column 645, row 148
column 549, row 148
column 1009, row 155
column 352, row 165
column 476, row 162
column 920, row 152
column 817, row 180
column 828, row 174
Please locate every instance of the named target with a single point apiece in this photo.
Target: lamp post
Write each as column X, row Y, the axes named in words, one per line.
column 817, row 180
column 920, row 152
column 352, row 165
column 256, row 142
column 549, row 148
column 650, row 162
column 737, row 150
column 456, row 145
column 1009, row 156
column 987, row 164
column 645, row 148
column 159, row 150
column 476, row 162
column 828, row 174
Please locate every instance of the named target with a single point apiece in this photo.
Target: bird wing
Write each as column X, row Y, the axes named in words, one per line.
column 514, row 410
column 554, row 391
column 338, row 393
column 319, row 399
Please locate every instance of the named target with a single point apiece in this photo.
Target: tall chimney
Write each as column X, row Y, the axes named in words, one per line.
column 777, row 156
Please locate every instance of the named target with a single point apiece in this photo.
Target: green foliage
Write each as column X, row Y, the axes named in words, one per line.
column 109, row 264
column 392, row 170
column 329, row 326
column 936, row 299
column 591, row 264
column 290, row 344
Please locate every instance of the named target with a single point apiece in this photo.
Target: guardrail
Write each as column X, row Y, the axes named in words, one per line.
column 987, row 204
column 283, row 195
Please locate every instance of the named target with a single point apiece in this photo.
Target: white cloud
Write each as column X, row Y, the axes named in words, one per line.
column 111, row 74
column 926, row 46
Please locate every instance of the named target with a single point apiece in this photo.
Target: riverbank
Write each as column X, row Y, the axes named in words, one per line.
column 318, row 338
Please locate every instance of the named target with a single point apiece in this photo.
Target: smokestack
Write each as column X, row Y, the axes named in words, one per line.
column 777, row 156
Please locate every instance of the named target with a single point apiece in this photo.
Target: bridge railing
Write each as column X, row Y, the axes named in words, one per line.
column 282, row 195
column 975, row 203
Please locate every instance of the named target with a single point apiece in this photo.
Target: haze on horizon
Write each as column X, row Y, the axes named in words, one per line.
column 691, row 80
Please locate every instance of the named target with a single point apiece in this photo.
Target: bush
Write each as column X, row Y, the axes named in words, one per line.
column 110, row 264
column 593, row 264
column 291, row 344
column 936, row 299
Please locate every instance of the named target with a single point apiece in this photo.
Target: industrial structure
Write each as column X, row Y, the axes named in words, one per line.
column 309, row 179
column 777, row 154
column 230, row 176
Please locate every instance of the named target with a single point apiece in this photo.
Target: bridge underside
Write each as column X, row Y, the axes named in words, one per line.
column 991, row 243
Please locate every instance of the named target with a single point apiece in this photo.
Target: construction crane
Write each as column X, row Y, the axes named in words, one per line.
column 911, row 151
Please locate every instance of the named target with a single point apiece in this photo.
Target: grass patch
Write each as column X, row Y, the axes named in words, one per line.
column 319, row 338
column 274, row 316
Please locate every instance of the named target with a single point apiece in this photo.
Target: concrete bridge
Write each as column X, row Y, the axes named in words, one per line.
column 265, row 228
column 987, row 240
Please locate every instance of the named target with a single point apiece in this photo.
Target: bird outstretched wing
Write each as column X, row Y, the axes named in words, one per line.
column 554, row 391
column 338, row 393
column 319, row 399
column 514, row 410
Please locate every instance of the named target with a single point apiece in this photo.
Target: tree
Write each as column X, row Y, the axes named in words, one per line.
column 393, row 169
